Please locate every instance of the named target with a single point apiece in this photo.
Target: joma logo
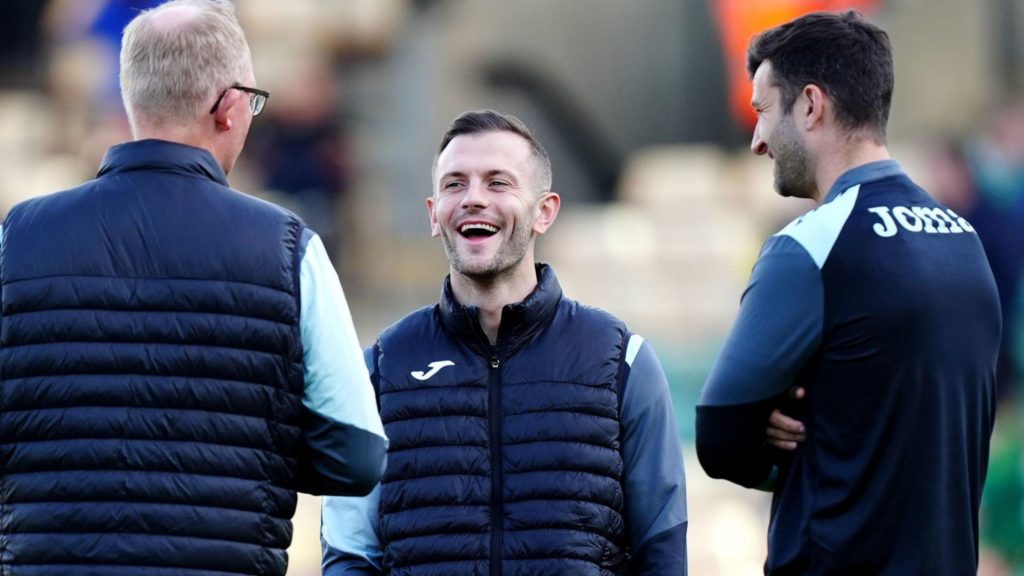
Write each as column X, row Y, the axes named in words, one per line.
column 918, row 219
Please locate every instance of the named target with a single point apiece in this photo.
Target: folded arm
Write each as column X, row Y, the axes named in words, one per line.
column 778, row 329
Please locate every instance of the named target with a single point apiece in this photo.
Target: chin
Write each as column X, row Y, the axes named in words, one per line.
column 793, row 192
column 485, row 272
column 476, row 271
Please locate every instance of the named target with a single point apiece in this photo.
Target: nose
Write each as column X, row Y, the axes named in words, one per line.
column 757, row 145
column 475, row 195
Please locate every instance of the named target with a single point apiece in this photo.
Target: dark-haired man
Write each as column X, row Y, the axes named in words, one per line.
column 529, row 434
column 872, row 322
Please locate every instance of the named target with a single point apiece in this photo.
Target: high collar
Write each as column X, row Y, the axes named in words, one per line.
column 519, row 321
column 162, row 155
column 861, row 174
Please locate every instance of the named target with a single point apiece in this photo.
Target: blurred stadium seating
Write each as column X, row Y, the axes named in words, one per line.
column 664, row 208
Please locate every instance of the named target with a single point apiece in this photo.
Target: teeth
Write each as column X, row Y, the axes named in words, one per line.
column 485, row 227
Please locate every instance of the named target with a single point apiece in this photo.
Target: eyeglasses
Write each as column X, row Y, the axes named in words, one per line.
column 257, row 98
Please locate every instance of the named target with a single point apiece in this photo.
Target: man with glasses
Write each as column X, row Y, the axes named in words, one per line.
column 257, row 98
column 177, row 359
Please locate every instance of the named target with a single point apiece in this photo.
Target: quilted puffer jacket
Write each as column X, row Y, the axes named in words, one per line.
column 150, row 374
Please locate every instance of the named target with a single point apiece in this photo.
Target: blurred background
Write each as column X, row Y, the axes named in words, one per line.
column 643, row 107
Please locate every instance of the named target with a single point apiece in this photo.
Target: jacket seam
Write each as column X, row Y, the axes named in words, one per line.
column 145, row 278
column 148, row 343
column 141, row 311
column 269, row 452
column 147, row 375
column 425, row 417
column 8, row 380
column 127, row 565
column 562, row 441
column 264, row 418
column 148, row 469
column 424, row 476
column 395, row 450
column 143, row 503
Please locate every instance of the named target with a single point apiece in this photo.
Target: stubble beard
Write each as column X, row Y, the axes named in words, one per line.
column 502, row 265
column 793, row 175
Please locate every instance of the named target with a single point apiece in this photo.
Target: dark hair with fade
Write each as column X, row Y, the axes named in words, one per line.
column 480, row 121
column 848, row 58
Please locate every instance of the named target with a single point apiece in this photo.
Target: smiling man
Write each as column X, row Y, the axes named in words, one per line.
column 529, row 434
column 873, row 319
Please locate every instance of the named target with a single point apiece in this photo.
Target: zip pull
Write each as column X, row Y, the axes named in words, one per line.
column 495, row 362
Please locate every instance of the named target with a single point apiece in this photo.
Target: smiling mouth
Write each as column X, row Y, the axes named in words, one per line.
column 477, row 230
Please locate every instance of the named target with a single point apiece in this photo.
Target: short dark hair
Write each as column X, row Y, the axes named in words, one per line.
column 848, row 58
column 479, row 121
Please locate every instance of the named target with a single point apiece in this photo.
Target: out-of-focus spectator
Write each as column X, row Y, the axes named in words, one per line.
column 300, row 151
column 99, row 24
column 84, row 40
column 983, row 179
column 1002, row 513
column 995, row 162
column 19, row 41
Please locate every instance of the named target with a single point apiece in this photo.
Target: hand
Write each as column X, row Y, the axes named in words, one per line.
column 786, row 433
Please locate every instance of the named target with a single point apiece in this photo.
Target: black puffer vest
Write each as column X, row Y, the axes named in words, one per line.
column 150, row 374
column 504, row 460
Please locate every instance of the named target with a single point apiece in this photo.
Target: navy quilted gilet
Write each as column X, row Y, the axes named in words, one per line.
column 150, row 374
column 506, row 459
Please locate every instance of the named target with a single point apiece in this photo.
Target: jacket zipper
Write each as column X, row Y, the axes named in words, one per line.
column 497, row 497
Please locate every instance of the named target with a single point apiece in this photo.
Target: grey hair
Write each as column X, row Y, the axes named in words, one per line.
column 173, row 68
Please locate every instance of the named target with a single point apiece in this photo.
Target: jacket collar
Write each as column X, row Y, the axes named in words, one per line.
column 164, row 156
column 863, row 174
column 519, row 321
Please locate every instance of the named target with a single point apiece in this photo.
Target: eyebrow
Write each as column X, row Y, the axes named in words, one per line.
column 453, row 174
column 503, row 173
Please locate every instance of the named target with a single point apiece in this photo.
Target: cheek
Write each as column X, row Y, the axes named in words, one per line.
column 443, row 208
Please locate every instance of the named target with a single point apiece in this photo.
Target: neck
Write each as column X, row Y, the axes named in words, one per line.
column 849, row 154
column 171, row 132
column 491, row 295
column 189, row 135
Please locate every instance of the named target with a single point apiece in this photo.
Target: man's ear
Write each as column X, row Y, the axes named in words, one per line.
column 546, row 212
column 435, row 229
column 222, row 115
column 811, row 106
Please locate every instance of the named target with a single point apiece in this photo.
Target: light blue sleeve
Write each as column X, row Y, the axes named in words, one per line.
column 345, row 437
column 348, row 528
column 348, row 535
column 337, row 381
column 655, row 482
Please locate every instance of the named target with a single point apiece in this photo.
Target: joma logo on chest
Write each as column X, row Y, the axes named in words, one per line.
column 435, row 367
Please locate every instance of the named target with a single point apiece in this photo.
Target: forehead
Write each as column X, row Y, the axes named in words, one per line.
column 763, row 82
column 485, row 151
